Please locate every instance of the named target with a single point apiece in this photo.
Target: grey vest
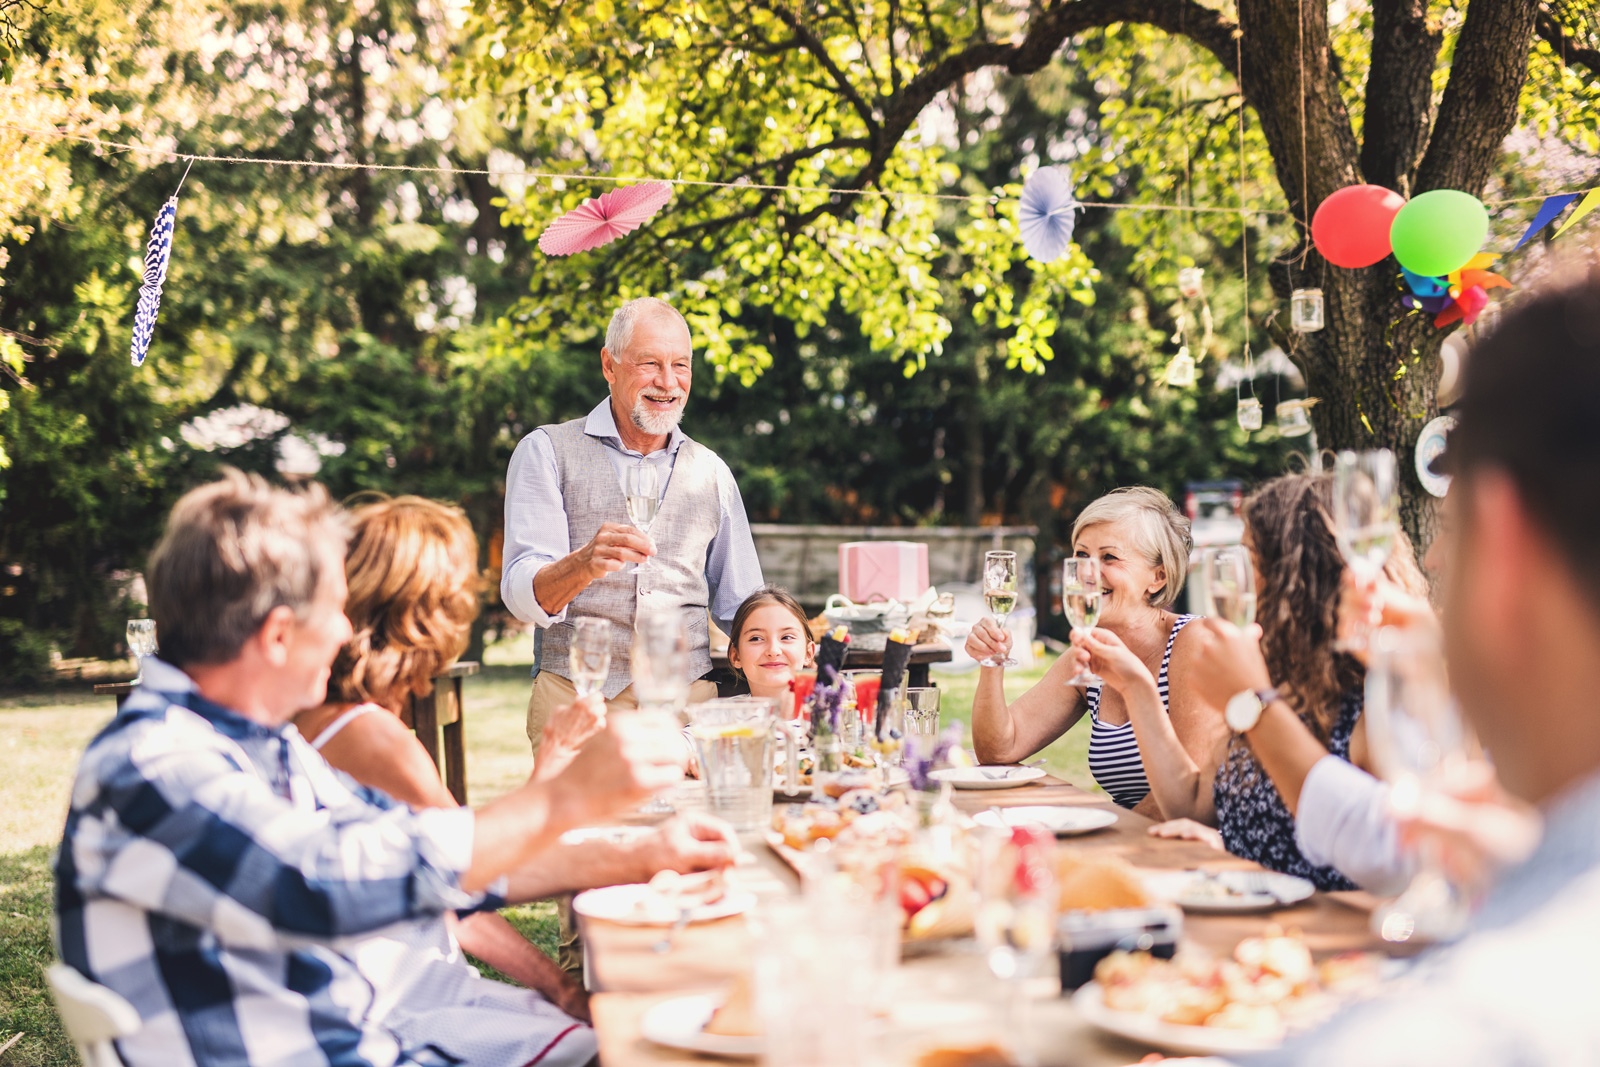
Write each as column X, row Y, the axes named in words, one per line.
column 673, row 580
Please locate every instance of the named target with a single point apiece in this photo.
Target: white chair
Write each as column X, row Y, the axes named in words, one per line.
column 92, row 1014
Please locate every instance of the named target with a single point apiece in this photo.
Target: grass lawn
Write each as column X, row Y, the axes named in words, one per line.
column 42, row 735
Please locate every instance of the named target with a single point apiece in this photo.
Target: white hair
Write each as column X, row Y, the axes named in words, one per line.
column 619, row 334
column 1160, row 533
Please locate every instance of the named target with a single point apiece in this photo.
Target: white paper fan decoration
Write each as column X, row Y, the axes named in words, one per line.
column 1046, row 213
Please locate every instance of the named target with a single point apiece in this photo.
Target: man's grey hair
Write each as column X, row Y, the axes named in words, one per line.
column 619, row 334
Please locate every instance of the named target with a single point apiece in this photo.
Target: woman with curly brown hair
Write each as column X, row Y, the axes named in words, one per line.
column 1295, row 698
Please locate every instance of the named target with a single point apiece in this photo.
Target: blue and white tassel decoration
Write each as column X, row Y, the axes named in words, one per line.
column 157, row 256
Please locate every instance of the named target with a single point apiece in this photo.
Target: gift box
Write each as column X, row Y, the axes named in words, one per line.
column 883, row 570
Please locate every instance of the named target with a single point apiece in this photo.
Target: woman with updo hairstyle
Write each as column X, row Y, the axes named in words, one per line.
column 1146, row 729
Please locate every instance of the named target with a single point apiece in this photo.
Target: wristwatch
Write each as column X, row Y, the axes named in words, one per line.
column 1245, row 707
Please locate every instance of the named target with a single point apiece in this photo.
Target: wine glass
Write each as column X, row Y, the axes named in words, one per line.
column 1081, row 597
column 1230, row 584
column 589, row 657
column 141, row 642
column 1366, row 519
column 1416, row 736
column 659, row 666
column 1000, row 593
column 641, row 487
column 1015, row 920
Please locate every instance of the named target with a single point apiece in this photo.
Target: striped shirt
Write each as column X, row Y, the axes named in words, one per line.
column 1114, row 758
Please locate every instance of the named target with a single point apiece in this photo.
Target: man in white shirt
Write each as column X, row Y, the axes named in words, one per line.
column 567, row 534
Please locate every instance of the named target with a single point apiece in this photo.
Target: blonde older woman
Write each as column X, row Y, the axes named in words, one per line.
column 1142, row 542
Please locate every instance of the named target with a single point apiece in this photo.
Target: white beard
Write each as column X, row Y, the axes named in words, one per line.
column 656, row 423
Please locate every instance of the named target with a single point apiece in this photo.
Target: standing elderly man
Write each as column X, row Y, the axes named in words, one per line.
column 567, row 536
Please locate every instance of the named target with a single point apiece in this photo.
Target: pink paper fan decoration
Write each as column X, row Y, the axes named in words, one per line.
column 603, row 219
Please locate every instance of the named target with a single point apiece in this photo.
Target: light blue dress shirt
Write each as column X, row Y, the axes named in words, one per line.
column 536, row 521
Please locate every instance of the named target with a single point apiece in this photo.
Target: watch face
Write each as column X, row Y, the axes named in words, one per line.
column 1242, row 712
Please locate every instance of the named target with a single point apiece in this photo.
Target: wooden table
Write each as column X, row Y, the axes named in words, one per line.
column 948, row 997
column 441, row 713
column 861, row 659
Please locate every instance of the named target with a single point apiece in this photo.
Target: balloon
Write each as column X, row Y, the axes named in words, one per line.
column 1422, row 286
column 1351, row 227
column 1439, row 232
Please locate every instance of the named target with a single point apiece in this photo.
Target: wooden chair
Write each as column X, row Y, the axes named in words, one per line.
column 92, row 1014
column 441, row 712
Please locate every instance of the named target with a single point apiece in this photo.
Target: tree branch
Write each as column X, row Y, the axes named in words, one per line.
column 1399, row 92
column 1568, row 50
column 1480, row 102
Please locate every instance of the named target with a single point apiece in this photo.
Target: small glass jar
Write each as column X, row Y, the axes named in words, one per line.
column 1249, row 414
column 1189, row 281
column 1305, row 310
column 1294, row 417
column 1180, row 372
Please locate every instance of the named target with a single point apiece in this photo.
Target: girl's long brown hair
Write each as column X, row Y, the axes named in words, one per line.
column 1289, row 523
column 413, row 575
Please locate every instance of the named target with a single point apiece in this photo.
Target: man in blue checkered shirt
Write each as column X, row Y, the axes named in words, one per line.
column 254, row 905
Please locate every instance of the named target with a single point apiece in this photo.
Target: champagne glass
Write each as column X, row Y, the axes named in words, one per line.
column 1015, row 921
column 1416, row 737
column 641, row 487
column 1000, row 593
column 141, row 642
column 1366, row 519
column 1230, row 579
column 589, row 656
column 1081, row 596
column 659, row 666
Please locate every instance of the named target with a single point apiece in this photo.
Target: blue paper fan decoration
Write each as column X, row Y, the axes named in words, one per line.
column 1047, row 213
column 156, row 257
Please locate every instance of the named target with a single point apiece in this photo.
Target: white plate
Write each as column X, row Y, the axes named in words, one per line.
column 615, row 835
column 1252, row 890
column 680, row 1023
column 1169, row 1037
column 1061, row 821
column 618, row 904
column 987, row 777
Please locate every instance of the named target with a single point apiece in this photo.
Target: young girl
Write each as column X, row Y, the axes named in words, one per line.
column 770, row 644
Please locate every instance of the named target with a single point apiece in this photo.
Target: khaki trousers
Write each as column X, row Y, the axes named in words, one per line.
column 551, row 691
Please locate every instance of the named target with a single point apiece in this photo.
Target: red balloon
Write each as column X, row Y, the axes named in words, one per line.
column 1351, row 227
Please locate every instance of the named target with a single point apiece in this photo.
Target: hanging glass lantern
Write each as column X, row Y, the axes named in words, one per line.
column 1189, row 282
column 1249, row 413
column 1180, row 372
column 1305, row 310
column 1294, row 417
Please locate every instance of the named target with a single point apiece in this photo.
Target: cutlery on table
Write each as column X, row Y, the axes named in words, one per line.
column 665, row 944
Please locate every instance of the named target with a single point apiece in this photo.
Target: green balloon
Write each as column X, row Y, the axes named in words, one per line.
column 1438, row 232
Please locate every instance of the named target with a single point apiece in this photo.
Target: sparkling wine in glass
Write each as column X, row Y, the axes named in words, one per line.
column 1416, row 737
column 1230, row 579
column 1081, row 597
column 589, row 656
column 1015, row 920
column 141, row 642
column 1000, row 593
column 641, row 488
column 1366, row 518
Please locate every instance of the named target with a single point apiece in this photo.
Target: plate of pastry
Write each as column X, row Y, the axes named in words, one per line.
column 709, row 1024
column 667, row 898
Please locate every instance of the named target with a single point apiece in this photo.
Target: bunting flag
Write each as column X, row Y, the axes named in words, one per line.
column 156, row 258
column 1590, row 202
column 1548, row 211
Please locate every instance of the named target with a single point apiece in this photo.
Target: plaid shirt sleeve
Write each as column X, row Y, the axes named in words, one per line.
column 171, row 816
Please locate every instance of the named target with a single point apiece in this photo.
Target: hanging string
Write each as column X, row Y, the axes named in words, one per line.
column 1244, row 216
column 533, row 175
column 1305, row 160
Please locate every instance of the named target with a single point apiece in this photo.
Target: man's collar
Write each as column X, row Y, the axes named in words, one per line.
column 172, row 686
column 602, row 423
